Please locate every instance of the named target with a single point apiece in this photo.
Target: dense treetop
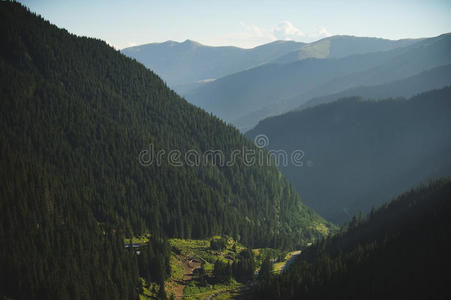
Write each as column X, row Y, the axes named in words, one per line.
column 400, row 251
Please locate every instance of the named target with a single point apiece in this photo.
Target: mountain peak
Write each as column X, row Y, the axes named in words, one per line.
column 191, row 43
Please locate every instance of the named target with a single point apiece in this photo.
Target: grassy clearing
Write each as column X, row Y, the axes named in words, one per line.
column 198, row 292
column 275, row 255
column 201, row 249
column 322, row 228
column 149, row 291
column 277, row 267
column 183, row 250
column 231, row 294
column 138, row 239
column 176, row 269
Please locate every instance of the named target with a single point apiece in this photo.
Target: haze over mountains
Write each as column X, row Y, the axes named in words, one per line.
column 243, row 86
column 321, row 72
column 431, row 79
column 238, row 96
column 359, row 154
column 428, row 80
column 187, row 65
column 341, row 46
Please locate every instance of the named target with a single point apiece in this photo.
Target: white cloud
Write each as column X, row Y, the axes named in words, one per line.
column 246, row 36
column 287, row 31
column 250, row 35
column 252, row 30
column 322, row 33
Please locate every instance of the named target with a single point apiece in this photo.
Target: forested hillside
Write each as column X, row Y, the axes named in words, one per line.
column 359, row 154
column 400, row 251
column 75, row 116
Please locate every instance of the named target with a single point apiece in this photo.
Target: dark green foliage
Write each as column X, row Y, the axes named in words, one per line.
column 85, row 112
column 265, row 270
column 243, row 267
column 51, row 245
column 218, row 244
column 201, row 276
column 153, row 260
column 222, row 271
column 162, row 292
column 359, row 154
column 75, row 114
column 401, row 251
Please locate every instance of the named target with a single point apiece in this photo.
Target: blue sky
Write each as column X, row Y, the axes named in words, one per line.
column 244, row 23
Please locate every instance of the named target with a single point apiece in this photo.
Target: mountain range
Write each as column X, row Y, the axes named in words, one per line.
column 190, row 64
column 359, row 153
column 113, row 186
column 239, row 97
column 428, row 80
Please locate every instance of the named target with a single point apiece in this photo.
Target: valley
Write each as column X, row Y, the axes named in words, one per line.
column 364, row 152
column 192, row 264
column 269, row 160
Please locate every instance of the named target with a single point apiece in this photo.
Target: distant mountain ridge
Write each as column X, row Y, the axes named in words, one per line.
column 239, row 96
column 343, row 45
column 183, row 65
column 186, row 65
column 428, row 80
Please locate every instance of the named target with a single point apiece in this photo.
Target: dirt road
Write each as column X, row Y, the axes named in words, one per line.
column 188, row 267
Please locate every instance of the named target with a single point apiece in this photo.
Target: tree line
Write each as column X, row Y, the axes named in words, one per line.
column 399, row 251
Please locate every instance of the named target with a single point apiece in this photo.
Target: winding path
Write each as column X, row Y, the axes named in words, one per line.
column 292, row 258
column 188, row 268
